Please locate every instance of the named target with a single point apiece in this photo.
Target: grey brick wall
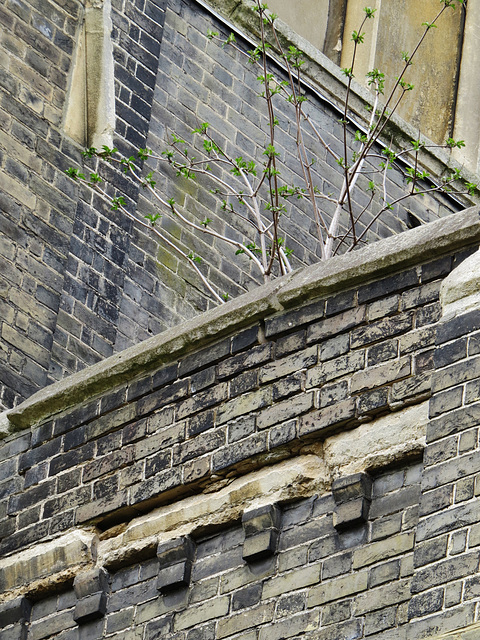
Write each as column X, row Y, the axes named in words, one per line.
column 387, row 552
column 79, row 282
column 329, row 365
column 339, row 584
column 447, row 556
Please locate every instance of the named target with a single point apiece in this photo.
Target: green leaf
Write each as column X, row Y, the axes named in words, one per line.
column 149, row 180
column 358, row 38
column 90, row 152
column 270, row 151
column 471, row 188
column 202, row 128
column 177, row 140
column 144, row 153
column 74, row 174
column 377, row 78
column 94, row 179
column 117, row 203
column 455, row 143
column 153, row 217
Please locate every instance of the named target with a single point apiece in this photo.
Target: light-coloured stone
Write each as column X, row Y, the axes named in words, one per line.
column 237, row 622
column 383, row 549
column 90, row 114
column 432, row 73
column 47, row 564
column 378, row 443
column 467, row 120
column 460, row 291
column 4, row 424
column 287, row 480
column 471, row 632
column 291, row 581
column 338, row 588
column 300, row 14
column 203, row 612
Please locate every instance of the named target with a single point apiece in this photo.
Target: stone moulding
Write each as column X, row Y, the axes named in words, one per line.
column 377, row 260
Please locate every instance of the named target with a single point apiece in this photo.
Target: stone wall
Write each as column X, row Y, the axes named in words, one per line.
column 301, row 462
column 79, row 282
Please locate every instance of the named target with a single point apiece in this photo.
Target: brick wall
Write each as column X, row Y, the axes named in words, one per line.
column 79, row 282
column 261, row 475
column 363, row 589
column 351, row 356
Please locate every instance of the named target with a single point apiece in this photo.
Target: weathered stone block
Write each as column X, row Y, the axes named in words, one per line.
column 89, row 582
column 260, row 545
column 337, row 589
column 261, row 527
column 90, row 608
column 351, row 514
column 380, row 375
column 425, row 603
column 336, row 324
column 176, row 560
column 292, row 319
column 14, row 611
column 91, row 590
column 246, row 619
column 328, row 418
column 352, row 496
column 358, row 485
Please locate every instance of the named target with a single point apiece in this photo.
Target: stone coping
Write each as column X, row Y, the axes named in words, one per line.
column 339, row 273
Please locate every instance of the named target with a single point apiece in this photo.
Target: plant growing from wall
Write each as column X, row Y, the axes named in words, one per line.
column 253, row 191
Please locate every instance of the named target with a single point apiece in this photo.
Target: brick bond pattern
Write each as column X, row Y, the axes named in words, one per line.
column 364, row 580
column 77, row 282
column 324, row 366
column 63, row 265
column 447, row 556
column 352, row 355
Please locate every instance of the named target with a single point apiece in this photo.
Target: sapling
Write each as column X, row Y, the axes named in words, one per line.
column 252, row 191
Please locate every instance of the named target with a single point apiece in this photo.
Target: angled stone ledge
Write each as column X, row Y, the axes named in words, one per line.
column 46, row 566
column 373, row 262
